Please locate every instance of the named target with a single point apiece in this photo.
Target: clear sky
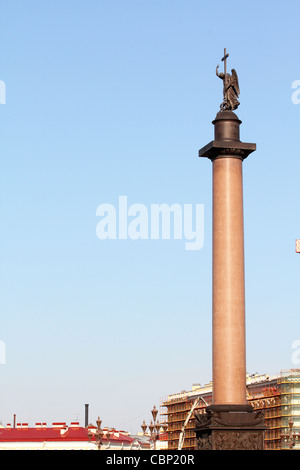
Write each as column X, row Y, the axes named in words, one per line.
column 109, row 98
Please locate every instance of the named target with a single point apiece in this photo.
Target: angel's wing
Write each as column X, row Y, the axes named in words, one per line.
column 235, row 82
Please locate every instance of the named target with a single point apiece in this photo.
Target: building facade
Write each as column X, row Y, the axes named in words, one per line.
column 59, row 436
column 278, row 397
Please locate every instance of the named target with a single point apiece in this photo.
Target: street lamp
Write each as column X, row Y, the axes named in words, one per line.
column 154, row 413
column 290, row 437
column 98, row 434
column 154, row 427
column 165, row 427
column 107, row 435
column 144, row 427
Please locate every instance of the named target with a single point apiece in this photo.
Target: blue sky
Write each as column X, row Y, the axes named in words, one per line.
column 111, row 98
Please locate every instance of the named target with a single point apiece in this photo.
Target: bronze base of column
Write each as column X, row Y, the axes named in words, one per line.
column 230, row 427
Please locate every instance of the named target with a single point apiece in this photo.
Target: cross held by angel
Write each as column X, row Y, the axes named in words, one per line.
column 231, row 90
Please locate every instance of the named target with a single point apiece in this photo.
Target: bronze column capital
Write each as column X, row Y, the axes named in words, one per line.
column 227, row 139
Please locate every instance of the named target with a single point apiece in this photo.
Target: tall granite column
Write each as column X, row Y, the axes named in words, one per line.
column 229, row 423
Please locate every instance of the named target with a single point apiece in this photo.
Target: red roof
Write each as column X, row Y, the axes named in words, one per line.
column 55, row 434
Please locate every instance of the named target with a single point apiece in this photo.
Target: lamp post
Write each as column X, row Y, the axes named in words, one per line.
column 290, row 437
column 98, row 434
column 154, row 427
column 107, row 435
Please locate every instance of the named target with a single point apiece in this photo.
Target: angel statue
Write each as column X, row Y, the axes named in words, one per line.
column 231, row 90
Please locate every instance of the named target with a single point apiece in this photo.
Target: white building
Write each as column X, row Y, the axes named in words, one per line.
column 59, row 436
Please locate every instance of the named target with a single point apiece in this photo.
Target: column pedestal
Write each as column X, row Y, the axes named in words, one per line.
column 230, row 428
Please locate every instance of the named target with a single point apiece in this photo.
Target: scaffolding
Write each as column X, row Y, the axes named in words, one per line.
column 265, row 396
column 278, row 397
column 289, row 382
column 179, row 406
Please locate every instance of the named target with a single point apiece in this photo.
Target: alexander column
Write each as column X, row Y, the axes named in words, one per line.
column 229, row 423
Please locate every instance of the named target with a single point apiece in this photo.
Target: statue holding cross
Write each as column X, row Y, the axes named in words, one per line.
column 231, row 88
